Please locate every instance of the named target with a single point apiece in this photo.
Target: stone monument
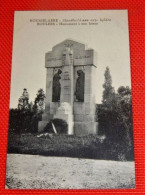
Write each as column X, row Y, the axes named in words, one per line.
column 70, row 87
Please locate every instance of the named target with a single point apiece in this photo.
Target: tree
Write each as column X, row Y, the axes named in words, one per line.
column 124, row 110
column 38, row 110
column 115, row 113
column 26, row 117
column 109, row 92
column 23, row 102
column 39, row 101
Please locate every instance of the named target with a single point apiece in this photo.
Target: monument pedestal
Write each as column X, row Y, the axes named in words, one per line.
column 64, row 112
column 84, row 118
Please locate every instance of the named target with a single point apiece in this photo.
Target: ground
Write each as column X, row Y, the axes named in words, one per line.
column 41, row 172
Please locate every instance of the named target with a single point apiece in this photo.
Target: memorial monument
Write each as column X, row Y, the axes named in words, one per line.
column 70, row 87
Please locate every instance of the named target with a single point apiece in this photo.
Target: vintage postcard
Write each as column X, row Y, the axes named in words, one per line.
column 70, row 116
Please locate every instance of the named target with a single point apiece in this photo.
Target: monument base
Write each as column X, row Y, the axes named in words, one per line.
column 46, row 117
column 85, row 128
column 64, row 112
column 42, row 125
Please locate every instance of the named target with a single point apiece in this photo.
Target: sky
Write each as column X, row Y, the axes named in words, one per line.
column 109, row 39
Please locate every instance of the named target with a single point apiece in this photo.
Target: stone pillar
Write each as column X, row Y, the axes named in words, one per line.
column 85, row 115
column 67, row 85
column 67, row 97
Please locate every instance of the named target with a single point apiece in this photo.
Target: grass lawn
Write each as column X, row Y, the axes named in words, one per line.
column 89, row 146
column 45, row 172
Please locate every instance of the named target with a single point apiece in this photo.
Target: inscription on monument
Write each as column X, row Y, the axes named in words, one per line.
column 81, row 57
column 69, row 44
column 67, row 90
column 66, row 76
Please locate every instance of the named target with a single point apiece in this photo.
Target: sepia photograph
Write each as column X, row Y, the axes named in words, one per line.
column 70, row 113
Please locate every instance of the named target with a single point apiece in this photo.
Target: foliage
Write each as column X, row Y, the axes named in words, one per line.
column 116, row 121
column 39, row 102
column 108, row 93
column 27, row 116
column 115, row 113
column 60, row 125
column 69, row 145
column 20, row 120
column 23, row 102
column 124, row 109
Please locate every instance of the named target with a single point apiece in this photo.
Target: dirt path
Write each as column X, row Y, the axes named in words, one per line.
column 39, row 172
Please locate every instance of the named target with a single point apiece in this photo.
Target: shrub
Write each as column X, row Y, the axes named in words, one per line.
column 69, row 145
column 60, row 125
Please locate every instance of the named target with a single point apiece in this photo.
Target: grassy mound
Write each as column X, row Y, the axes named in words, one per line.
column 70, row 146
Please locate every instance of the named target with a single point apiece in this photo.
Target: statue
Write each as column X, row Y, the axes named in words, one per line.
column 56, row 87
column 79, row 93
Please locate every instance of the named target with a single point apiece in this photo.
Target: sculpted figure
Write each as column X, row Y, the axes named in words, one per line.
column 80, row 86
column 56, row 87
